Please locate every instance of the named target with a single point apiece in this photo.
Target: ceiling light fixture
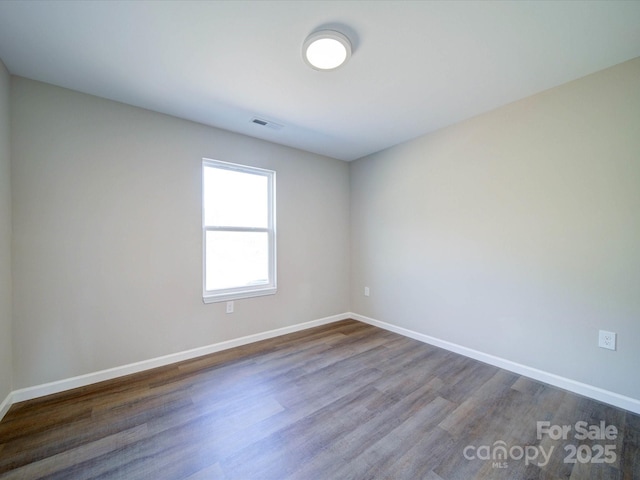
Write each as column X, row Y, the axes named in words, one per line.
column 326, row 50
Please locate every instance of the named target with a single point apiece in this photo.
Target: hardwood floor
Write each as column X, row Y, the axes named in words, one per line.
column 342, row 401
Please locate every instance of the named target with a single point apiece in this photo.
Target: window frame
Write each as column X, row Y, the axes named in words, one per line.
column 248, row 291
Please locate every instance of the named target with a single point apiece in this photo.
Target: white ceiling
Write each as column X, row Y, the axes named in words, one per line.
column 417, row 66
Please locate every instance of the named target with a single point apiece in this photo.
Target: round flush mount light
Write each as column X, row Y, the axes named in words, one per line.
column 326, row 50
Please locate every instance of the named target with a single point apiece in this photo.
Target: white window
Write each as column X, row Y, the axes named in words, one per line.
column 239, row 231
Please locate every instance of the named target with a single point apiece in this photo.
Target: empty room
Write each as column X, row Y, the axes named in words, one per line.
column 253, row 240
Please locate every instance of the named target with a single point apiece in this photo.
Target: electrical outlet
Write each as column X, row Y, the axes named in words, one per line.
column 229, row 307
column 607, row 340
column 366, row 291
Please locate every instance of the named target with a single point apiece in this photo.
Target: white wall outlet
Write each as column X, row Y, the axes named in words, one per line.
column 607, row 340
column 366, row 291
column 229, row 307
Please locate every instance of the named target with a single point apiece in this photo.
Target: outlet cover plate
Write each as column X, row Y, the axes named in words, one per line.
column 607, row 340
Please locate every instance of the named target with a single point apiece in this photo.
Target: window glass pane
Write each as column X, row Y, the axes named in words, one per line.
column 235, row 199
column 236, row 259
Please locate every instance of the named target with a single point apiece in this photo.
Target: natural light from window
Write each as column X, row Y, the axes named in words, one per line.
column 239, row 231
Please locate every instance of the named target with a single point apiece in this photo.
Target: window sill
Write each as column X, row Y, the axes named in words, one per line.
column 225, row 297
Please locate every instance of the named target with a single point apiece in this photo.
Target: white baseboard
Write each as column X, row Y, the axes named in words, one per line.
column 596, row 393
column 617, row 400
column 6, row 405
column 87, row 379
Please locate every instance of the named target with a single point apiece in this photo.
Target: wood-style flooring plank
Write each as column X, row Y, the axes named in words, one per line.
column 340, row 401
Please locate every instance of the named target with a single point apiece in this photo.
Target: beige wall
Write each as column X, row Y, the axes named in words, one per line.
column 5, row 238
column 107, row 214
column 516, row 233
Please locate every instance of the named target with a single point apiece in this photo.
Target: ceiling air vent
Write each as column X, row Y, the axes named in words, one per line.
column 267, row 123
